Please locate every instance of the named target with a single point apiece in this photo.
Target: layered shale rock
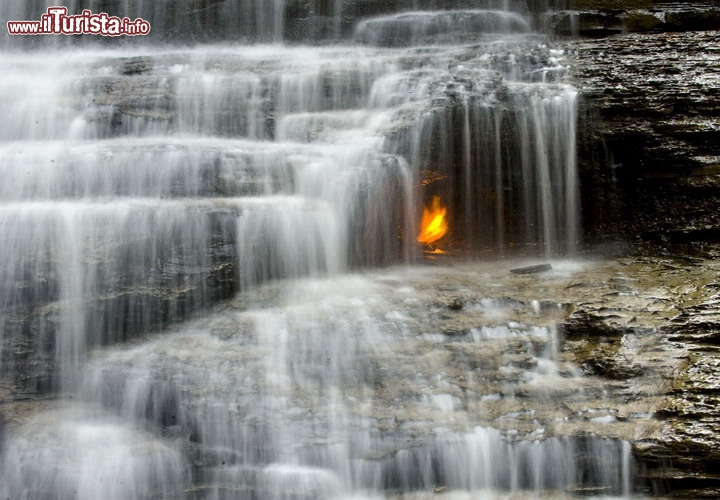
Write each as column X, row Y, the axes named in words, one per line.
column 656, row 97
column 610, row 17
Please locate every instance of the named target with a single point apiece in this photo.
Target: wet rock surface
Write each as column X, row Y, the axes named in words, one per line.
column 630, row 362
column 604, row 18
column 656, row 97
column 620, row 349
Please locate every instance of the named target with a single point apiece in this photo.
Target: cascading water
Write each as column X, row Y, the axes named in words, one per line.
column 141, row 185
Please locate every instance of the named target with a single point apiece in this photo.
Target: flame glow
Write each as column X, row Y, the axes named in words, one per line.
column 434, row 224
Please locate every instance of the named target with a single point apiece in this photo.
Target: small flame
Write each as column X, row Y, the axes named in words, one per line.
column 434, row 224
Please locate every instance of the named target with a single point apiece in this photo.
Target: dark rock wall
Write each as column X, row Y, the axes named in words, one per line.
column 650, row 150
column 652, row 155
column 607, row 17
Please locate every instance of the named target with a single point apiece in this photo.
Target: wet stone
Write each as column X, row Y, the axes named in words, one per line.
column 654, row 93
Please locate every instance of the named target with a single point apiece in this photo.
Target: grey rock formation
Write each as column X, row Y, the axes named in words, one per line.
column 656, row 97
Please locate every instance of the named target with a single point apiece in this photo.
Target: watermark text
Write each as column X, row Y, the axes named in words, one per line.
column 56, row 21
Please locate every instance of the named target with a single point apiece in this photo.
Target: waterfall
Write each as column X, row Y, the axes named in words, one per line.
column 195, row 244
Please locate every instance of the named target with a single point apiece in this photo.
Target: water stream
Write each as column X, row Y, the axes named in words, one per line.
column 190, row 237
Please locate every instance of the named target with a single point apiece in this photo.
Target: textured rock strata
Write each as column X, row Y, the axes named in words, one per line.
column 633, row 359
column 657, row 99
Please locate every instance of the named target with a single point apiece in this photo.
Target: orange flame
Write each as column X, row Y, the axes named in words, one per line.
column 434, row 224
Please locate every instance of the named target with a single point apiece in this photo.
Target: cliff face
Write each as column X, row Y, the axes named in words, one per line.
column 655, row 94
column 649, row 78
column 608, row 17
